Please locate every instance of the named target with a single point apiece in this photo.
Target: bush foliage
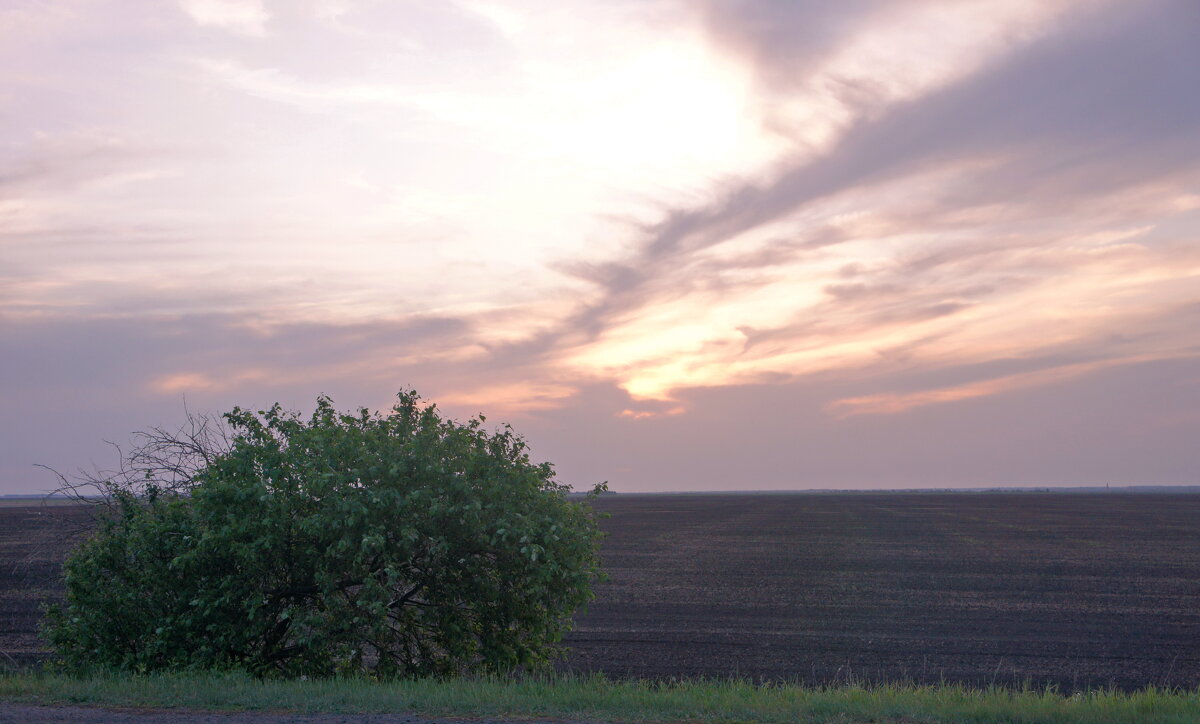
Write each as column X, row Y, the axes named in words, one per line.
column 399, row 544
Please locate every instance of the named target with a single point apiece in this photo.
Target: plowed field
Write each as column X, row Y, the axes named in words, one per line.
column 1075, row 589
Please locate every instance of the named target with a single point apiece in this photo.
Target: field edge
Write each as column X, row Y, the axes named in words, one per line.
column 596, row 698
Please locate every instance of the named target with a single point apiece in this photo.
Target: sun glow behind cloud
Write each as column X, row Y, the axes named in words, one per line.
column 629, row 117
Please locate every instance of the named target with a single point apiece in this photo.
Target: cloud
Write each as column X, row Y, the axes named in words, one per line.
column 67, row 161
column 83, row 378
column 247, row 17
column 1123, row 424
column 958, row 210
column 1005, row 145
column 785, row 41
column 891, row 403
column 1114, row 86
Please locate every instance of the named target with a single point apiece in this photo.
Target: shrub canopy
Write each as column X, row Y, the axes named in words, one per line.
column 399, row 544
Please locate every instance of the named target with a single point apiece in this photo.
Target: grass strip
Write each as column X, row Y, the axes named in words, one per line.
column 597, row 698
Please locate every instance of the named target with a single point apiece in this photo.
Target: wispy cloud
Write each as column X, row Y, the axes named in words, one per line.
column 248, row 17
column 966, row 218
column 891, row 403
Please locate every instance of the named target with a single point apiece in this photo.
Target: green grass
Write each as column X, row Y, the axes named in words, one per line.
column 600, row 699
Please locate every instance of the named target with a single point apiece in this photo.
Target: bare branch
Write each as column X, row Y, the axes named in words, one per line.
column 162, row 461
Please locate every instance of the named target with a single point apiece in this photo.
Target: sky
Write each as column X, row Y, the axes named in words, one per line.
column 677, row 244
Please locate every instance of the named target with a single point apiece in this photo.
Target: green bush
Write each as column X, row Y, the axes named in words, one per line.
column 402, row 544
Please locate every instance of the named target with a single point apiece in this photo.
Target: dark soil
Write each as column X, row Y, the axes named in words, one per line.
column 34, row 539
column 1071, row 589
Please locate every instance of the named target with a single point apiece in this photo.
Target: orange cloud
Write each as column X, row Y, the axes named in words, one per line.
column 198, row 381
column 507, row 399
column 645, row 414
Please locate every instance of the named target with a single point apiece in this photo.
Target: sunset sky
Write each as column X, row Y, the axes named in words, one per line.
column 679, row 245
